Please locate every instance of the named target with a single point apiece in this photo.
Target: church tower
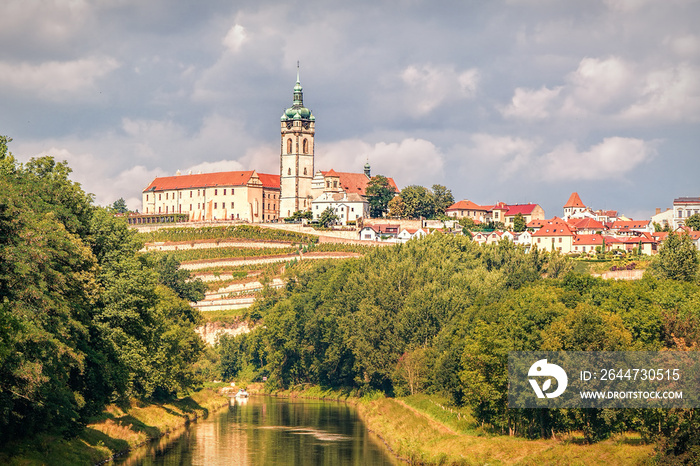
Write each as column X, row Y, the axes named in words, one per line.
column 296, row 155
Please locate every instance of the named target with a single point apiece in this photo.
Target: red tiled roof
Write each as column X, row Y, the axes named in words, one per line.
column 524, row 209
column 204, row 180
column 465, row 205
column 269, row 181
column 536, row 223
column 588, row 240
column 630, row 224
column 574, row 201
column 554, row 227
column 586, row 224
column 357, row 182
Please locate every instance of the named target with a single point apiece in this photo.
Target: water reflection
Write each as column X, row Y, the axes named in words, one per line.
column 271, row 431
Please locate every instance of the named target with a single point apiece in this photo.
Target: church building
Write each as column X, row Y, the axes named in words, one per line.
column 257, row 197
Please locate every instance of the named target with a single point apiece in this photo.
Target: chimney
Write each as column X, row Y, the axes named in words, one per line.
column 658, row 211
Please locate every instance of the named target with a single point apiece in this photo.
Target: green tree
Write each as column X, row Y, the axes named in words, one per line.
column 379, row 192
column 519, row 223
column 327, row 217
column 677, row 258
column 119, row 206
column 418, row 202
column 299, row 215
column 693, row 222
column 397, row 209
column 442, row 199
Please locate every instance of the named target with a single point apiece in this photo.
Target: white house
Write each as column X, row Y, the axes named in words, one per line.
column 410, row 233
column 348, row 207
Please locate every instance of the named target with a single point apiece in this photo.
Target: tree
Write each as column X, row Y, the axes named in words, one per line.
column 693, row 222
column 397, row 208
column 677, row 259
column 442, row 199
column 299, row 215
column 327, row 217
column 119, row 206
column 418, row 201
column 519, row 223
column 379, row 192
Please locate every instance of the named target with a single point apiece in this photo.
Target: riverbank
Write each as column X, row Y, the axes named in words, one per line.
column 420, row 430
column 119, row 429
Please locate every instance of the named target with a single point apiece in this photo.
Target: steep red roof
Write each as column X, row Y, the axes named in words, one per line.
column 554, row 227
column 204, row 180
column 524, row 209
column 356, row 182
column 630, row 224
column 269, row 181
column 586, row 224
column 588, row 240
column 465, row 205
column 536, row 223
column 574, row 201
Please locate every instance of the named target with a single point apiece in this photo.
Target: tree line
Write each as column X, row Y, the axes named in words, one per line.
column 85, row 320
column 442, row 313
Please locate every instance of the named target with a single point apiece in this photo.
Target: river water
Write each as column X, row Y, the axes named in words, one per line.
column 270, row 431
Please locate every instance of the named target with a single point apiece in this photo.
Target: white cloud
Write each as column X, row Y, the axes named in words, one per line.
column 685, row 46
column 531, row 104
column 235, row 38
column 604, row 91
column 410, row 161
column 56, row 80
column 611, row 159
column 672, row 94
column 428, row 86
column 597, row 84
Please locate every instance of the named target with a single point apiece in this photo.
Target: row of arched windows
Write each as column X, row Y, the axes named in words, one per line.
column 304, row 146
column 289, row 171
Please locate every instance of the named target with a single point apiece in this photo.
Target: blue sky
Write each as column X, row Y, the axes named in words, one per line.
column 516, row 101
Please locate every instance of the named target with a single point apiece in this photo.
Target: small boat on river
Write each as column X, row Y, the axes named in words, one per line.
column 242, row 394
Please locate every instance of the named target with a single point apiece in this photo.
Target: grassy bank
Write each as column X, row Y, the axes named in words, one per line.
column 119, row 428
column 423, row 430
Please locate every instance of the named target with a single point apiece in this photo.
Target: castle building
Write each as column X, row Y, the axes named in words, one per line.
column 296, row 155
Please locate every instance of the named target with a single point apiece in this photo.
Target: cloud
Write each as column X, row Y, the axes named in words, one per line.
column 427, row 86
column 531, row 104
column 54, row 80
column 409, row 161
column 235, row 38
column 611, row 90
column 611, row 159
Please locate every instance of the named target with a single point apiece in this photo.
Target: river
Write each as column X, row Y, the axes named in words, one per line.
column 270, row 431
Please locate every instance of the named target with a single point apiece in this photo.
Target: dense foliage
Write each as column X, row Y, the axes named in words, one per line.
column 379, row 192
column 83, row 318
column 441, row 315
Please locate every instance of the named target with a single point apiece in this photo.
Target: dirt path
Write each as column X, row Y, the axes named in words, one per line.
column 440, row 427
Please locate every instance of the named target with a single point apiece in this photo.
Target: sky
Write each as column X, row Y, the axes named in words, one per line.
column 517, row 101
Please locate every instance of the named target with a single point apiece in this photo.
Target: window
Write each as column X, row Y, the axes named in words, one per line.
column 232, row 205
column 190, row 193
column 180, row 194
column 289, row 171
column 159, row 197
column 215, row 205
column 198, row 193
column 166, row 197
column 166, row 209
column 146, row 197
column 190, row 207
column 560, row 240
column 232, row 191
column 289, row 146
column 216, row 192
column 158, row 209
column 224, row 191
column 306, row 148
column 198, row 205
column 328, row 184
column 335, row 184
column 304, row 171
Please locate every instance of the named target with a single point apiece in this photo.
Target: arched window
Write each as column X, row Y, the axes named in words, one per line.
column 304, row 168
column 289, row 171
column 305, row 146
column 289, row 146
